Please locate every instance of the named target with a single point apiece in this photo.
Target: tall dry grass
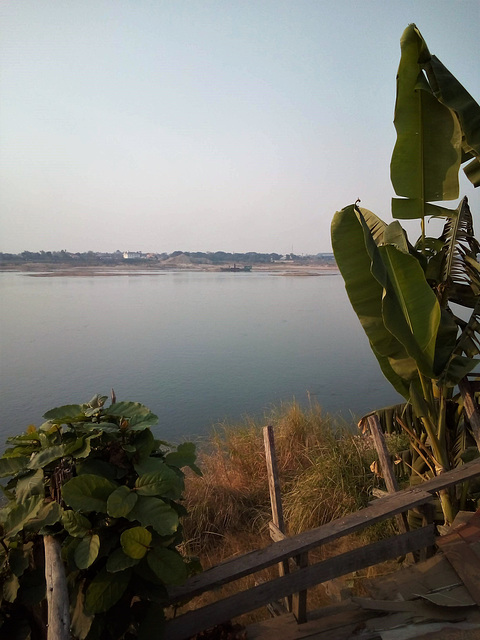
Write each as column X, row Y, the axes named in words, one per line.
column 324, row 468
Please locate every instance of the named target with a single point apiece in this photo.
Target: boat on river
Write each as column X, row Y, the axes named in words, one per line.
column 246, row 268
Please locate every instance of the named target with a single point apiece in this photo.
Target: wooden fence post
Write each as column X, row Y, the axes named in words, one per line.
column 275, row 496
column 57, row 592
column 298, row 602
column 386, row 466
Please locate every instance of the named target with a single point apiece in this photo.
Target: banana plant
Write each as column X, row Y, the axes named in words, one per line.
column 419, row 303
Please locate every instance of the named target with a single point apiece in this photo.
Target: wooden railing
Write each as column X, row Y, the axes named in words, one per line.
column 305, row 577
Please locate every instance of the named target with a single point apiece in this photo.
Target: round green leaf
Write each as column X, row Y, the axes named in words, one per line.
column 105, row 590
column 163, row 482
column 135, row 542
column 153, row 512
column 129, row 448
column 48, row 515
column 11, row 466
column 88, row 492
column 30, row 485
column 45, row 456
column 121, row 502
column 167, row 565
column 10, row 588
column 20, row 513
column 144, row 443
column 87, row 551
column 139, row 416
column 19, row 560
column 118, row 561
column 149, row 465
column 65, row 412
column 75, row 524
column 184, row 456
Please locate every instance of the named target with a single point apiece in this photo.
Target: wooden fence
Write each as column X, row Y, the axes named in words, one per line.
column 296, row 548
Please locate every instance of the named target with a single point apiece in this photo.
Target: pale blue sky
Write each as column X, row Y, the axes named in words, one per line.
column 205, row 125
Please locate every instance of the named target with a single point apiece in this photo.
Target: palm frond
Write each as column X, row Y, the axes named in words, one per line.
column 468, row 342
column 460, row 443
column 460, row 247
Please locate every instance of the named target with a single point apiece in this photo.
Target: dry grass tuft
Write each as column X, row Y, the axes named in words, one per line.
column 324, row 471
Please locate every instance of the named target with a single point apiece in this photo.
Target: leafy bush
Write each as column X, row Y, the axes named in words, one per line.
column 97, row 480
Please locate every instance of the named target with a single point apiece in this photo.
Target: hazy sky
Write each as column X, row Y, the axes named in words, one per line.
column 203, row 125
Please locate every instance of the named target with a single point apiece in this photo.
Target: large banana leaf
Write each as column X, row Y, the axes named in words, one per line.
column 427, row 154
column 410, row 308
column 472, row 171
column 389, row 292
column 363, row 289
column 452, row 94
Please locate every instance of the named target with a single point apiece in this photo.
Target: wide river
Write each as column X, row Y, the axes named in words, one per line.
column 196, row 348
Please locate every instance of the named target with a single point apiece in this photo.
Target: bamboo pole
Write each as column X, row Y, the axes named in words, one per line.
column 57, row 592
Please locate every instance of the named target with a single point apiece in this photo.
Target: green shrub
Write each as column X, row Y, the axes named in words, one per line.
column 96, row 479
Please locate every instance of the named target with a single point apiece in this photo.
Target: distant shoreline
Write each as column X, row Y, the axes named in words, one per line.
column 46, row 270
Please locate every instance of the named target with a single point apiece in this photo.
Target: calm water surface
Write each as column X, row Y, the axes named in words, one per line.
column 196, row 348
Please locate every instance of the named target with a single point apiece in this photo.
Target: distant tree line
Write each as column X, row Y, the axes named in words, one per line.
column 62, row 257
column 117, row 257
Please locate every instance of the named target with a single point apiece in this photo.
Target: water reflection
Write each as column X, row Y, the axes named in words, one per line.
column 194, row 347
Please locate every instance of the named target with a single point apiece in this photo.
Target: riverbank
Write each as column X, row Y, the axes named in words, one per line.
column 49, row 270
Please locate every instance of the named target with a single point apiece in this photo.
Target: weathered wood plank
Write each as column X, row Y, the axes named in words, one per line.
column 380, row 510
column 470, row 531
column 465, row 562
column 194, row 621
column 299, row 600
column 275, row 534
column 387, row 469
column 329, row 627
column 275, row 496
column 273, row 480
column 450, row 478
column 383, row 455
column 261, row 558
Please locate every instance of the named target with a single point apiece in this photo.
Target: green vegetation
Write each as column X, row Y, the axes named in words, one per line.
column 420, row 305
column 93, row 480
